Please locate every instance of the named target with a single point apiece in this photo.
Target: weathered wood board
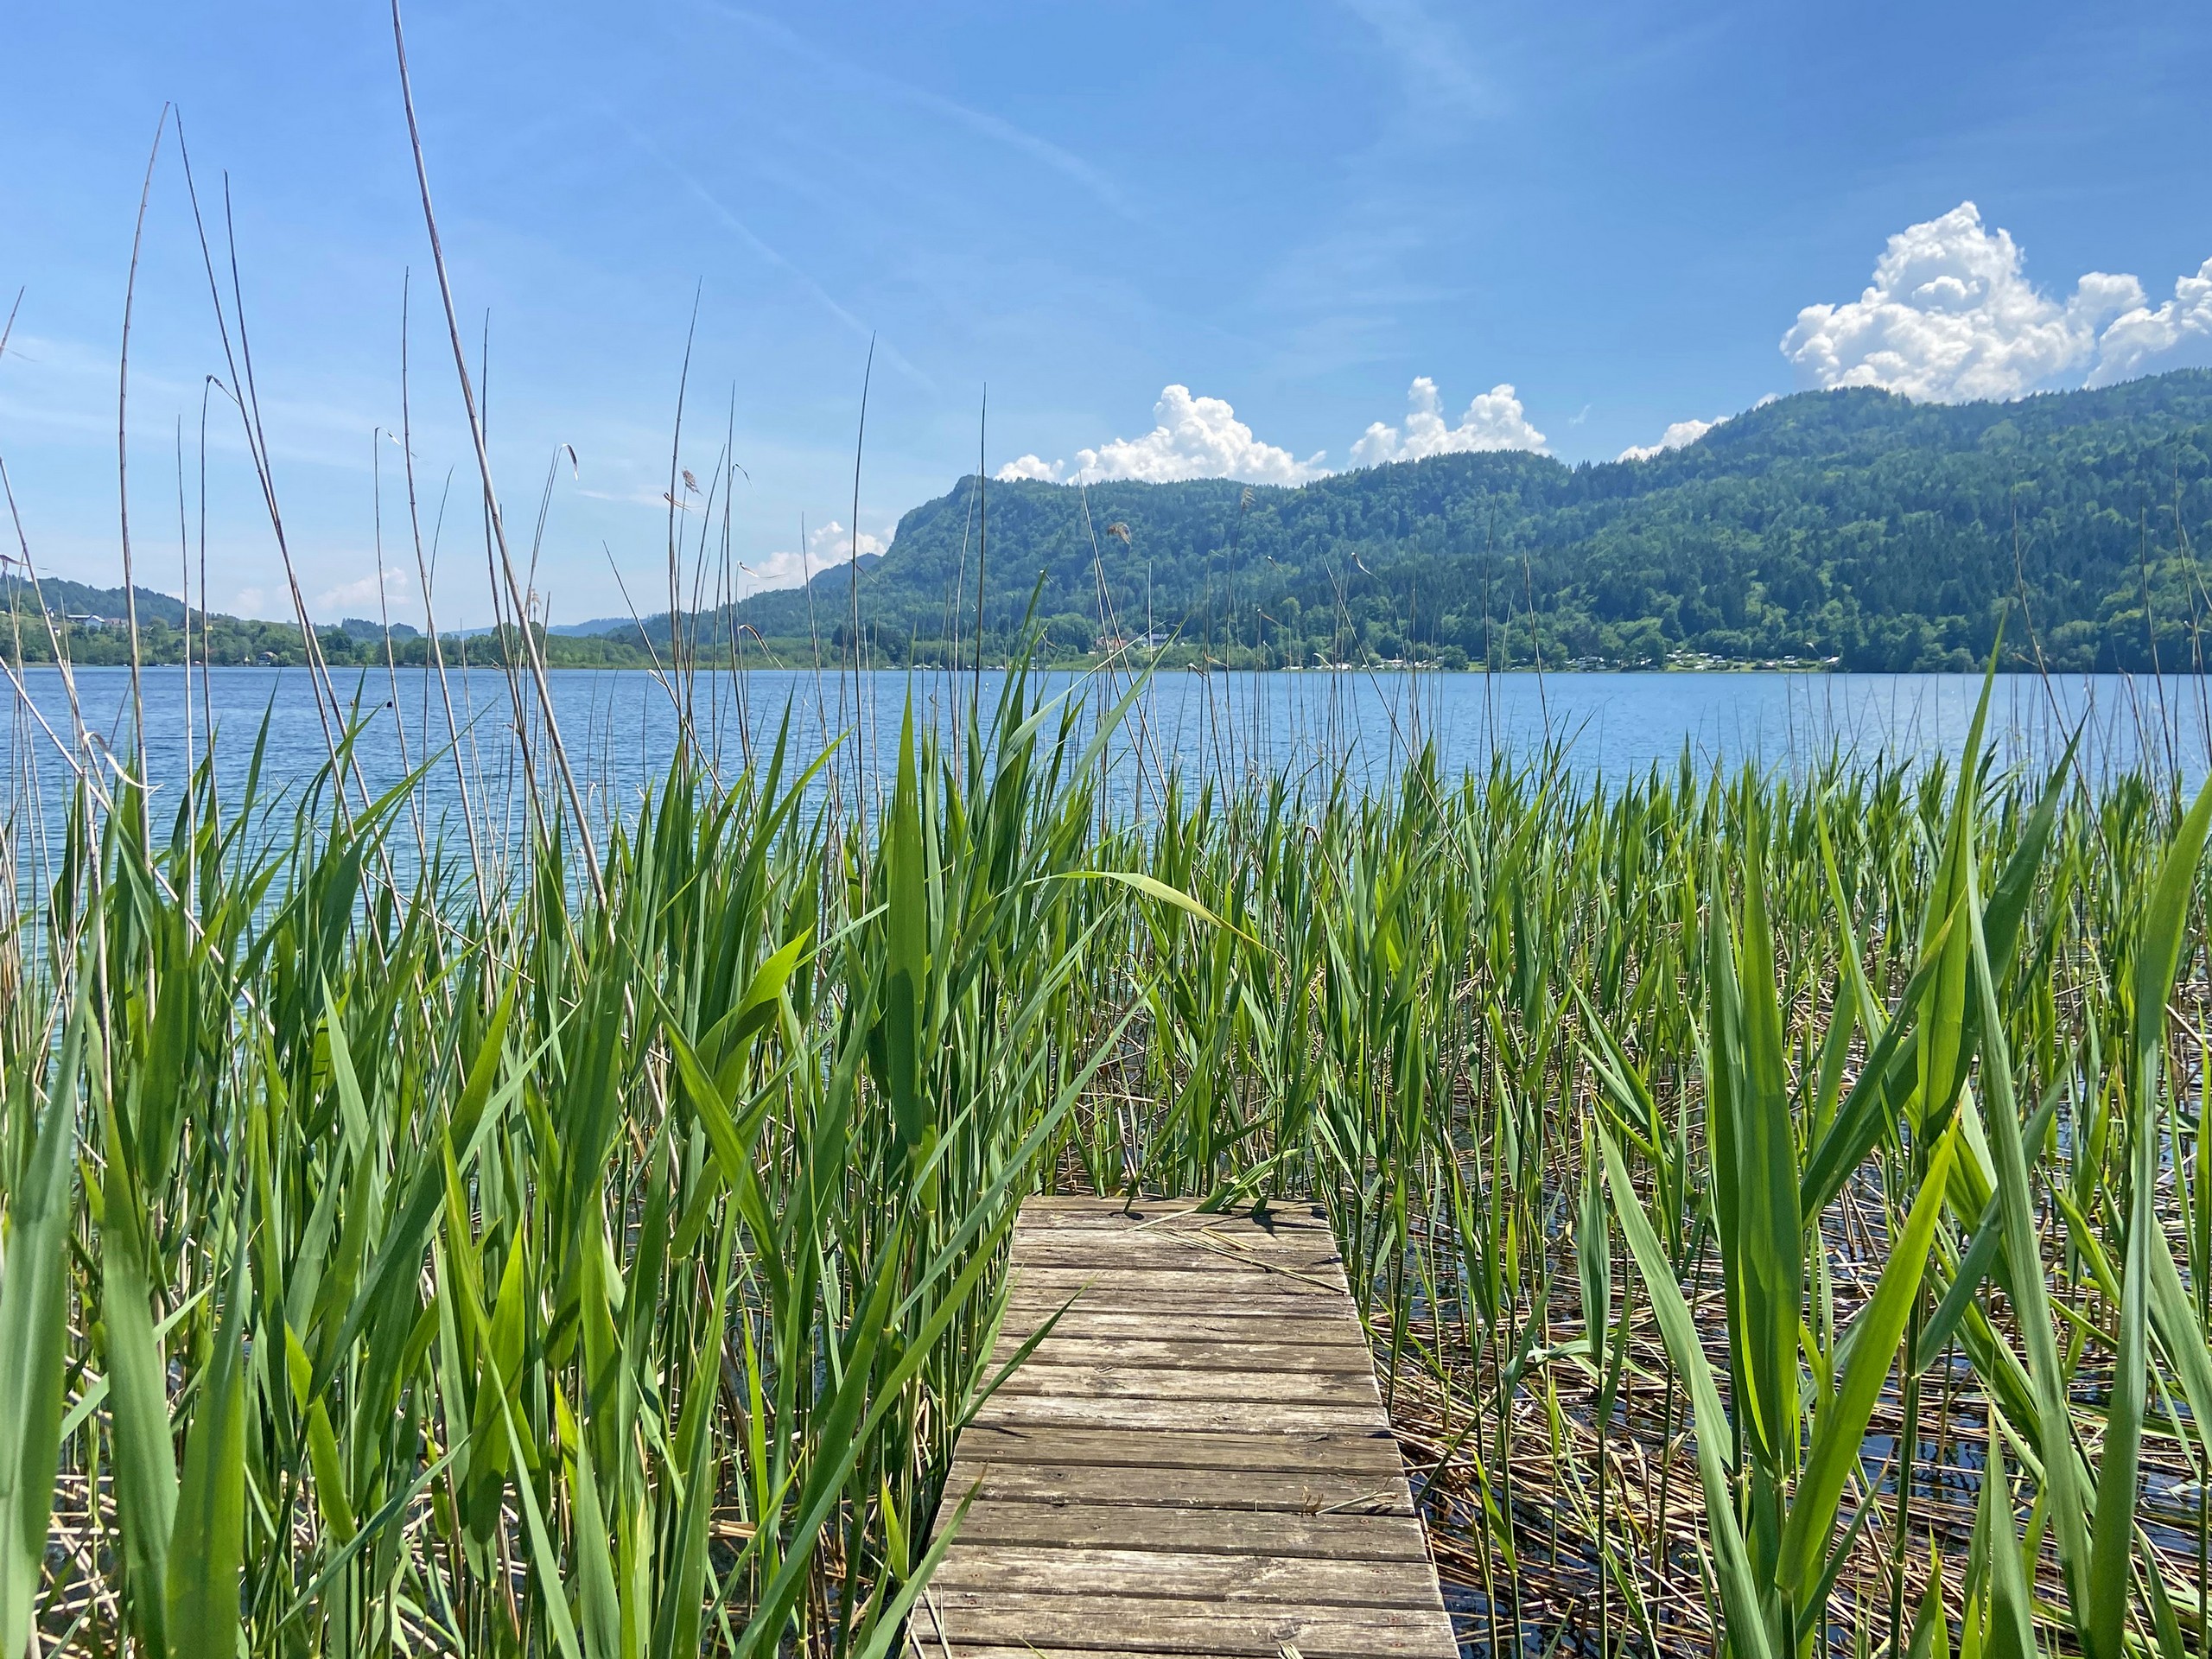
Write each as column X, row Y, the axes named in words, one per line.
column 1194, row 1462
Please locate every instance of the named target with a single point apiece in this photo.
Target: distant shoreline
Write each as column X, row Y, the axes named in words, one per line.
column 720, row 664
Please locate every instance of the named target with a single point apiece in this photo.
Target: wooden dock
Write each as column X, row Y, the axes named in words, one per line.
column 1195, row 1462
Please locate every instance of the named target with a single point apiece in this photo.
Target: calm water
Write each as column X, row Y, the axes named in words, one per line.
column 619, row 727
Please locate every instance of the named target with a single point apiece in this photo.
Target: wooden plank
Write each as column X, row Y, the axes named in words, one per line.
column 1363, row 1450
column 1046, row 1214
column 1283, row 1229
column 1226, row 1244
column 1165, row 1352
column 1177, row 1625
column 1194, row 1232
column 1204, row 1236
column 1204, row 1244
column 1211, row 1416
column 1223, row 1281
column 1178, row 1257
column 1095, row 1488
column 1194, row 1462
column 1094, row 1321
column 1210, row 1573
column 1169, row 1317
column 1165, row 1382
column 1124, row 1527
column 1165, row 1312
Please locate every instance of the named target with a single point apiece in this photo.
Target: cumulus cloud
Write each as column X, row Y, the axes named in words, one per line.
column 1679, row 434
column 827, row 547
column 1951, row 316
column 831, row 545
column 2141, row 337
column 1195, row 437
column 1495, row 420
column 361, row 596
column 1201, row 437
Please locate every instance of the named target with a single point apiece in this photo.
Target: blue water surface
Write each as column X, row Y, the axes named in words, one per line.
column 620, row 728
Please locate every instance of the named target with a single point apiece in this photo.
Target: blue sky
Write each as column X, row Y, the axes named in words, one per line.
column 1171, row 239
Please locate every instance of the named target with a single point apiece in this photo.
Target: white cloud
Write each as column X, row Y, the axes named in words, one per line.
column 2138, row 337
column 248, row 601
column 360, row 597
column 1438, row 77
column 1679, row 434
column 1201, row 437
column 1950, row 316
column 830, row 545
column 655, row 499
column 1196, row 437
column 827, row 546
column 784, row 569
column 1495, row 420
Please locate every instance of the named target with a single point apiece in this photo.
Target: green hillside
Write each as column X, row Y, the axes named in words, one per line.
column 90, row 625
column 1851, row 526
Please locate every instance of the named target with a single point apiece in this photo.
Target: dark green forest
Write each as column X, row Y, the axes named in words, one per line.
column 1853, row 528
column 1849, row 529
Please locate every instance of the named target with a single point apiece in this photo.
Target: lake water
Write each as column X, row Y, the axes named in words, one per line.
column 619, row 727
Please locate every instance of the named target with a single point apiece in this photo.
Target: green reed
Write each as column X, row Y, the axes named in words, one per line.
column 1778, row 1200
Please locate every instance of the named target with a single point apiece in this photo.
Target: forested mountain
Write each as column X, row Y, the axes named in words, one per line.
column 1851, row 526
column 91, row 623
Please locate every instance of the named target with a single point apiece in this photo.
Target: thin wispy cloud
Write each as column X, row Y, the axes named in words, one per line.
column 58, row 384
column 983, row 122
column 1381, row 253
column 656, row 499
column 1438, row 72
column 766, row 248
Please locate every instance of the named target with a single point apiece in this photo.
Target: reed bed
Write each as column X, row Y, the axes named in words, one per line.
column 1777, row 1199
